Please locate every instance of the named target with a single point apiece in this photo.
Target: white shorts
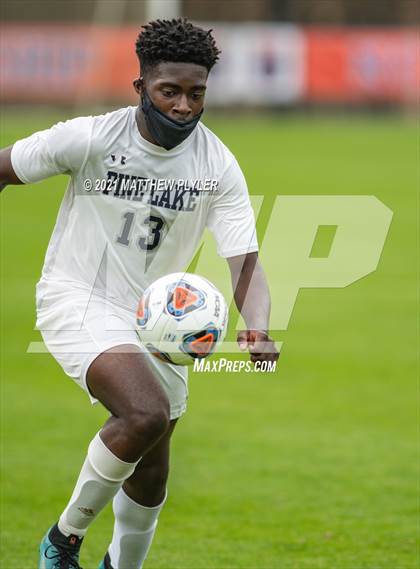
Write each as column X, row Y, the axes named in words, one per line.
column 77, row 327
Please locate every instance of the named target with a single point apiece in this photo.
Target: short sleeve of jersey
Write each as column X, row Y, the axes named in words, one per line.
column 60, row 149
column 231, row 217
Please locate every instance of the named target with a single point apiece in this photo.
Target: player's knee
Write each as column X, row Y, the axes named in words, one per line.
column 149, row 425
column 157, row 423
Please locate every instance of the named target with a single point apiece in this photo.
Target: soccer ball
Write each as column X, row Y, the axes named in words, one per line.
column 182, row 317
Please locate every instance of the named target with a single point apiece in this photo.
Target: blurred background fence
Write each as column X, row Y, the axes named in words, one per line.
column 275, row 52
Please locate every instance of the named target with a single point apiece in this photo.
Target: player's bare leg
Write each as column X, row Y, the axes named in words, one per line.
column 137, row 506
column 124, row 383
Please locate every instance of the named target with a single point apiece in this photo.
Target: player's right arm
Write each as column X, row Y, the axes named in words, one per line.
column 61, row 149
column 7, row 174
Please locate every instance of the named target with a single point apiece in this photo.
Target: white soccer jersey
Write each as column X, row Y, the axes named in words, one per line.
column 133, row 211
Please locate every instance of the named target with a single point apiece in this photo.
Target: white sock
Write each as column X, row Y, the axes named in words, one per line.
column 134, row 529
column 101, row 477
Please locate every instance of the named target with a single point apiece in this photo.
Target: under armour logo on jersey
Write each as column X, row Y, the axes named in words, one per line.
column 123, row 159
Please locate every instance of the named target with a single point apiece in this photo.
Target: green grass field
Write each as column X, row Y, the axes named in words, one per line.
column 315, row 466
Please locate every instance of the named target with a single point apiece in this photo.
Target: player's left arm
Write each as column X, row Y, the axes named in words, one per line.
column 252, row 297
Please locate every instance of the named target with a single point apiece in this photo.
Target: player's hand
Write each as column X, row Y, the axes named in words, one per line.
column 260, row 346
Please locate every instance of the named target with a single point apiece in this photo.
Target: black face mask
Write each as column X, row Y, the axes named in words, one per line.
column 167, row 132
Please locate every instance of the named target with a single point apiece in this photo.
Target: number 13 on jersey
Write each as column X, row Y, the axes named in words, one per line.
column 155, row 225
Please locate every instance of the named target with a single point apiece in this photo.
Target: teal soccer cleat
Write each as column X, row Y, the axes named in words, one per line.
column 105, row 563
column 58, row 551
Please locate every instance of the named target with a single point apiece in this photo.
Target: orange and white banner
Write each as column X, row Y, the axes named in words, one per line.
column 61, row 63
column 369, row 65
column 261, row 64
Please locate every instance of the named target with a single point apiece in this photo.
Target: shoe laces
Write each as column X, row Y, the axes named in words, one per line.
column 64, row 558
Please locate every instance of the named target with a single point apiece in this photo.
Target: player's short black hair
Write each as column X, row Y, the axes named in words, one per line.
column 175, row 40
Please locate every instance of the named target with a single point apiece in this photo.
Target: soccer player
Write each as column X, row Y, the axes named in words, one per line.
column 118, row 229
